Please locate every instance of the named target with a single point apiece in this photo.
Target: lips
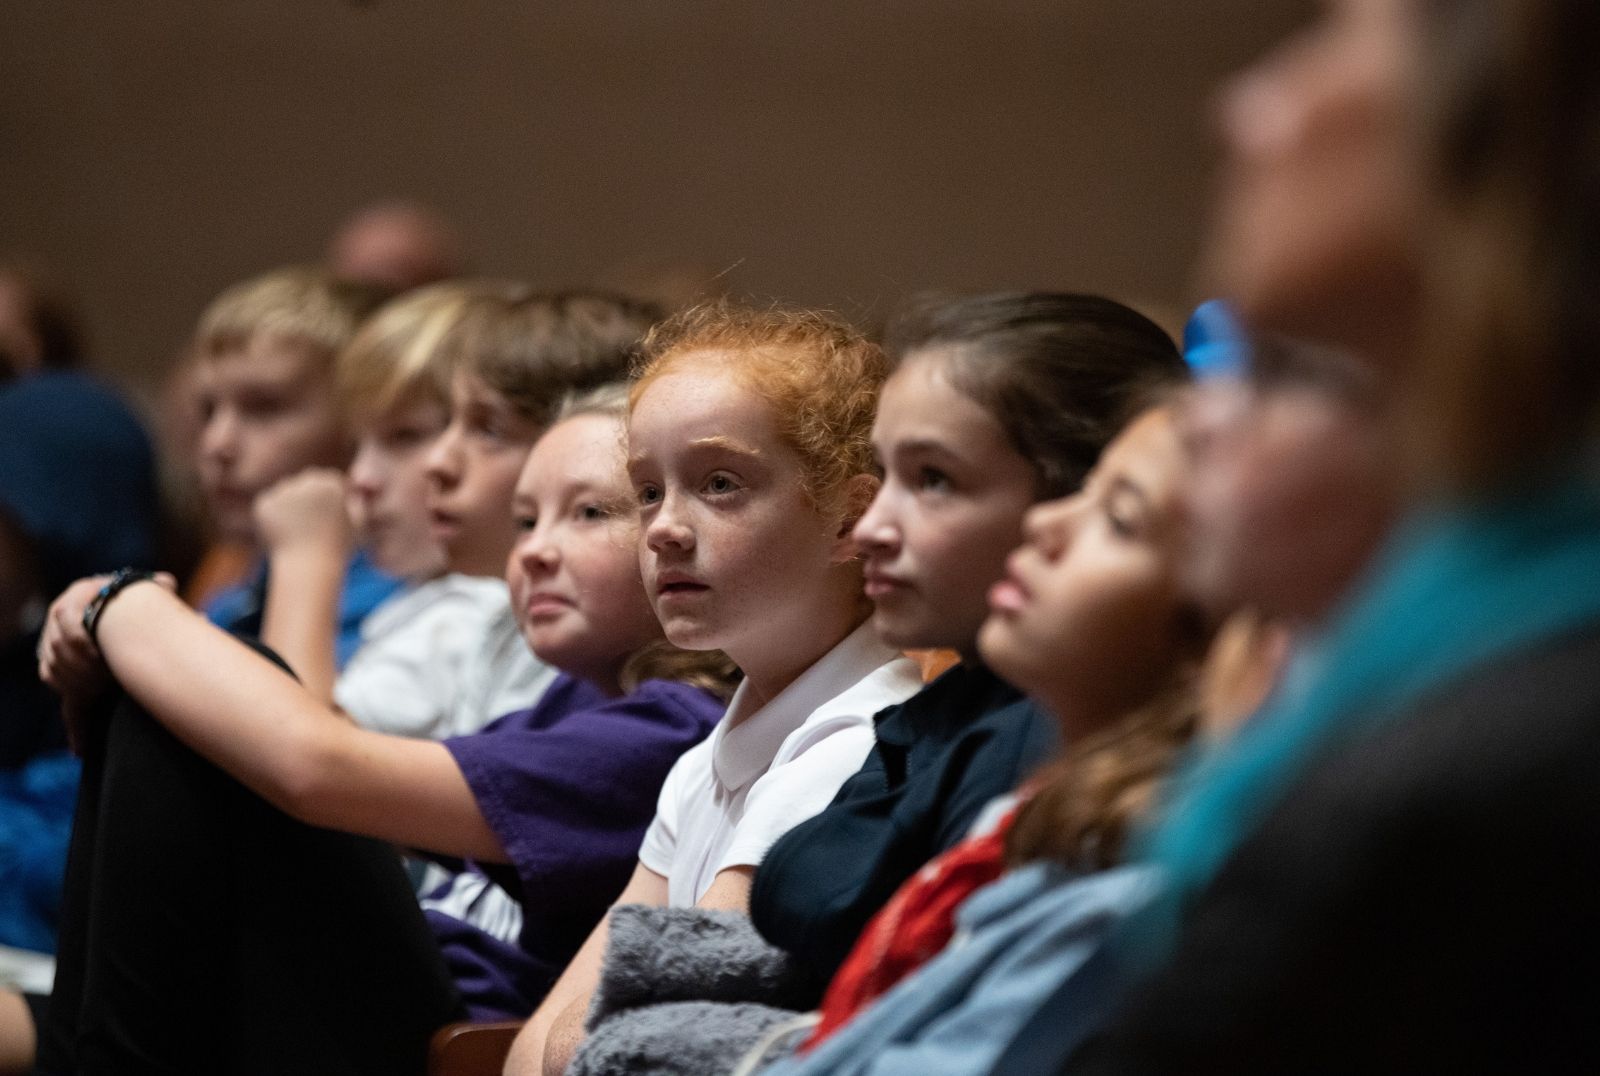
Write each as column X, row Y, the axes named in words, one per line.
column 543, row 603
column 678, row 585
column 443, row 523
column 881, row 584
column 1010, row 594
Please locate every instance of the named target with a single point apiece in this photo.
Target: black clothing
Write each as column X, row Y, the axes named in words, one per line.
column 30, row 713
column 1422, row 901
column 204, row 931
column 940, row 757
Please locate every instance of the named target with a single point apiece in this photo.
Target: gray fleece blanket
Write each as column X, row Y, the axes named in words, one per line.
column 684, row 991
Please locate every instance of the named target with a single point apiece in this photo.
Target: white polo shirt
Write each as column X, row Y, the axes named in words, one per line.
column 442, row 659
column 731, row 796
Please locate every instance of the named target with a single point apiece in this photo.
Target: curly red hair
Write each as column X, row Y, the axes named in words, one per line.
column 819, row 376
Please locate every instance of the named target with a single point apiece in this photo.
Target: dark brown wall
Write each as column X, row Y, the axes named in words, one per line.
column 832, row 151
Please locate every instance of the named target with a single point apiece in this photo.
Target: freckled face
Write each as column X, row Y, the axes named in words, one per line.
column 1089, row 616
column 949, row 511
column 732, row 549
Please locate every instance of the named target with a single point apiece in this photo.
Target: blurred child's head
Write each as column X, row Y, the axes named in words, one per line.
column 38, row 326
column 1294, row 484
column 749, row 450
column 265, row 351
column 996, row 402
column 1092, row 617
column 394, row 384
column 77, row 491
column 513, row 355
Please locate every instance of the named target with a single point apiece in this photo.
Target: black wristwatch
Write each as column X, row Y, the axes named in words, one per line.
column 120, row 581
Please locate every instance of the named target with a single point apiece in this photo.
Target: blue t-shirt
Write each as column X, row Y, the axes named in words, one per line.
column 238, row 608
column 568, row 786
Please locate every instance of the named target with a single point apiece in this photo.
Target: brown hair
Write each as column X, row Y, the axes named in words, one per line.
column 1060, row 373
column 536, row 348
column 1086, row 803
column 819, row 376
column 303, row 304
column 1508, row 380
column 711, row 671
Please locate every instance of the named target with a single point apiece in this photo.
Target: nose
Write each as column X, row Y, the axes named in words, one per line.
column 667, row 529
column 443, row 465
column 535, row 552
column 366, row 472
column 219, row 437
column 1048, row 527
column 876, row 533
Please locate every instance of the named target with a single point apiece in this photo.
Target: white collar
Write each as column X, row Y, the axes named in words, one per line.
column 743, row 752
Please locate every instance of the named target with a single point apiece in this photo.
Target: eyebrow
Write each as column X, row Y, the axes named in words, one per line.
column 726, row 443
column 928, row 446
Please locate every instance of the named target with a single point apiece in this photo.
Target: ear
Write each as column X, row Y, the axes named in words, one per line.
column 857, row 495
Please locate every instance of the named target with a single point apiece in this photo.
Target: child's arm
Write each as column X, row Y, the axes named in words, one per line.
column 546, row 1044
column 252, row 720
column 304, row 525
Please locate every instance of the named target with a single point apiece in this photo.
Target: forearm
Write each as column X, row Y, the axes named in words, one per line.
column 253, row 721
column 211, row 691
column 554, row 1032
column 301, row 616
column 552, row 1035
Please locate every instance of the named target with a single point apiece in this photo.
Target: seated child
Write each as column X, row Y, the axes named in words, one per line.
column 748, row 452
column 237, row 783
column 440, row 658
column 1097, row 585
column 996, row 402
column 264, row 354
column 1301, row 441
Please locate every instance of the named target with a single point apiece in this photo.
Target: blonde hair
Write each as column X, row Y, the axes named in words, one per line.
column 396, row 356
column 819, row 376
column 711, row 671
column 301, row 304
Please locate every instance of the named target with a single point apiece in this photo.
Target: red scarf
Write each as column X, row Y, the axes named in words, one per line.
column 912, row 928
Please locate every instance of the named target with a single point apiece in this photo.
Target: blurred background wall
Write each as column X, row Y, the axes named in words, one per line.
column 839, row 152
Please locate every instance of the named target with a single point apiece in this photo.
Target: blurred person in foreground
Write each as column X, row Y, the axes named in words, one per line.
column 1392, row 868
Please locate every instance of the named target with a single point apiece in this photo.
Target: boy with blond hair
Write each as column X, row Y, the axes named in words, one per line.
column 265, row 352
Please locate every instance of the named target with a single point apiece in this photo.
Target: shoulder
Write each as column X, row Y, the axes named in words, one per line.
column 857, row 703
column 1483, row 790
column 1517, row 731
column 663, row 702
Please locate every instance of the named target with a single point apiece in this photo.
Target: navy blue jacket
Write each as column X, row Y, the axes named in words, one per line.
column 940, row 757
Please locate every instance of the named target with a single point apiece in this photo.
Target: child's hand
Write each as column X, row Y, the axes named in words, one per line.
column 69, row 661
column 309, row 510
